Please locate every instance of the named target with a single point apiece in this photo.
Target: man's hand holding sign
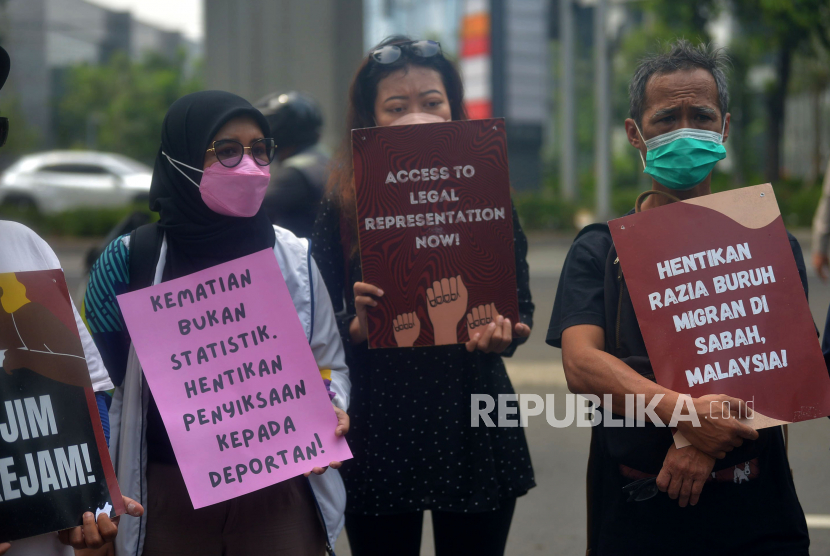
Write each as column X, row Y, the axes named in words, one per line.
column 235, row 379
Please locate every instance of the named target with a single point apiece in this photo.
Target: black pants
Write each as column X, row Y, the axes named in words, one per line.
column 482, row 534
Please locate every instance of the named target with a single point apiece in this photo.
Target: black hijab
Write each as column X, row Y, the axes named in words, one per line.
column 197, row 237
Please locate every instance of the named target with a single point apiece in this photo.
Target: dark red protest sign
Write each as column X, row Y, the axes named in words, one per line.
column 54, row 463
column 436, row 230
column 720, row 303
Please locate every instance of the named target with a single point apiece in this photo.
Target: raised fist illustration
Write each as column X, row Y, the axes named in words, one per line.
column 407, row 328
column 479, row 317
column 447, row 304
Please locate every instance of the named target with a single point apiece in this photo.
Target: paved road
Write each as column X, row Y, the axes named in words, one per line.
column 551, row 518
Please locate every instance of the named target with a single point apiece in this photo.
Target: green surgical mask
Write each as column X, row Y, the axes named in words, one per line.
column 682, row 158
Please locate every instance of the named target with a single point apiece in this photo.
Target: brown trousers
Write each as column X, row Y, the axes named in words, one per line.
column 280, row 520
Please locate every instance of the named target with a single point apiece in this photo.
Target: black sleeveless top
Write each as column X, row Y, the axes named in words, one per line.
column 413, row 446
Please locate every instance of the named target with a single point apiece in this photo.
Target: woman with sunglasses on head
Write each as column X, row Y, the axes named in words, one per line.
column 413, row 446
column 209, row 180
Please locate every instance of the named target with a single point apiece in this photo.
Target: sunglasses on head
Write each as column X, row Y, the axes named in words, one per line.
column 391, row 53
column 229, row 152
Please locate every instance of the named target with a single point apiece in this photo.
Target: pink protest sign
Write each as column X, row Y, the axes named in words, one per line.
column 234, row 378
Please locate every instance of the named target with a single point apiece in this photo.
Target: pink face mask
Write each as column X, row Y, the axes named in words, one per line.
column 236, row 191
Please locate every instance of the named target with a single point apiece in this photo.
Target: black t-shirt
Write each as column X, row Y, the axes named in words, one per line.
column 580, row 296
column 758, row 514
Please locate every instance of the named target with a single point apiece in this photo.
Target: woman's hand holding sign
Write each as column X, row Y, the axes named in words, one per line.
column 479, row 317
column 365, row 295
column 341, row 430
column 490, row 332
column 487, row 329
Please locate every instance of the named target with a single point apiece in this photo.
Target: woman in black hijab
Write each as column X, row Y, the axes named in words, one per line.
column 198, row 237
column 208, row 184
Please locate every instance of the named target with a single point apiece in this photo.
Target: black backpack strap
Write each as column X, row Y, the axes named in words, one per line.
column 145, row 249
column 623, row 338
column 596, row 227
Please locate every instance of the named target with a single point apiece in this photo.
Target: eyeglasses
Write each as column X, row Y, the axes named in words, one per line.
column 230, row 152
column 643, row 489
column 391, row 53
column 4, row 130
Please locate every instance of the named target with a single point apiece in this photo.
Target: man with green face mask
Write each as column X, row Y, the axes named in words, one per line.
column 645, row 496
column 679, row 123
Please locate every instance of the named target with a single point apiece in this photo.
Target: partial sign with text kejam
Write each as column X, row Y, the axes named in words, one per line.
column 54, row 463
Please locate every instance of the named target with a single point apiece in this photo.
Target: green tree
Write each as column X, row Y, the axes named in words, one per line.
column 23, row 138
column 769, row 31
column 811, row 76
column 787, row 28
column 119, row 106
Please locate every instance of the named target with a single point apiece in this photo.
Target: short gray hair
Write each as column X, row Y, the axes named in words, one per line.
column 681, row 55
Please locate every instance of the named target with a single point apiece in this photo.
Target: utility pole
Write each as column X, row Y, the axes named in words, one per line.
column 602, row 139
column 566, row 80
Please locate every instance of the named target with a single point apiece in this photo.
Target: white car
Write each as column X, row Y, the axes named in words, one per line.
column 61, row 180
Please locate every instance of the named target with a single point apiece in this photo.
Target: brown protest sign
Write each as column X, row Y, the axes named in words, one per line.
column 436, row 230
column 720, row 303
